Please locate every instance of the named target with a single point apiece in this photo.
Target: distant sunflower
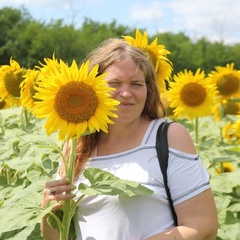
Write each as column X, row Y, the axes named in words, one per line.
column 225, row 108
column 166, row 104
column 228, row 132
column 74, row 100
column 4, row 104
column 236, row 127
column 227, row 80
column 157, row 53
column 227, row 167
column 190, row 95
column 28, row 89
column 49, row 66
column 11, row 77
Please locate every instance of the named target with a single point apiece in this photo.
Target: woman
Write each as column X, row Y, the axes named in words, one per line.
column 128, row 151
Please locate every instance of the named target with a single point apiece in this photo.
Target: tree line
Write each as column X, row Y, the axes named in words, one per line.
column 29, row 41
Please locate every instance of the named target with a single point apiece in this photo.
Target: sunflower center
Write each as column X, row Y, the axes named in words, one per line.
column 231, row 108
column 228, row 84
column 193, row 94
column 76, row 102
column 12, row 81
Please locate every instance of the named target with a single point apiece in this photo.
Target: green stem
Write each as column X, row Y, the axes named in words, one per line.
column 196, row 133
column 68, row 211
column 26, row 117
column 222, row 167
column 57, row 220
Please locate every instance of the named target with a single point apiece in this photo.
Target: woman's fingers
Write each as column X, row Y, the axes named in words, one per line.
column 57, row 190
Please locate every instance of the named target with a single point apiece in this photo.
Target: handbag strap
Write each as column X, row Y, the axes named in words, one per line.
column 162, row 152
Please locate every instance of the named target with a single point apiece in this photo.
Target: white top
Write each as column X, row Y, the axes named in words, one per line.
column 123, row 218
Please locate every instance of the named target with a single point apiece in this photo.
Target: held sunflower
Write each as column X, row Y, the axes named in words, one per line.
column 227, row 80
column 158, row 55
column 74, row 100
column 191, row 96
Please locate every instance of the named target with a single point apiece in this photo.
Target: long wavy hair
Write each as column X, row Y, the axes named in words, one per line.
column 109, row 52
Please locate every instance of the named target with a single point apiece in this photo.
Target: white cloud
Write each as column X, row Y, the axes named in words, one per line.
column 213, row 19
column 146, row 12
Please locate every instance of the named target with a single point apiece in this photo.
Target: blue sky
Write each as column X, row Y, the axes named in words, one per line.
column 214, row 19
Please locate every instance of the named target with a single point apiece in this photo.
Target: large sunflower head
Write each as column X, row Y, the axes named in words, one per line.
column 28, row 89
column 74, row 100
column 157, row 53
column 227, row 80
column 191, row 95
column 11, row 77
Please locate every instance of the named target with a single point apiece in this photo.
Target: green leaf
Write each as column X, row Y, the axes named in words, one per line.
column 23, row 209
column 103, row 182
column 31, row 232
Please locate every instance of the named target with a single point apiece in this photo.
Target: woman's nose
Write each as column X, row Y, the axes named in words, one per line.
column 125, row 91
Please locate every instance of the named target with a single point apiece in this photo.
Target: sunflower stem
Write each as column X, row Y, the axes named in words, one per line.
column 222, row 167
column 26, row 117
column 68, row 210
column 196, row 132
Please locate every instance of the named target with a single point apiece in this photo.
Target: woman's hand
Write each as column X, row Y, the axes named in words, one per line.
column 57, row 190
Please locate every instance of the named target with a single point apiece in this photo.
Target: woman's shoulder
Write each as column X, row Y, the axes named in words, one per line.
column 180, row 139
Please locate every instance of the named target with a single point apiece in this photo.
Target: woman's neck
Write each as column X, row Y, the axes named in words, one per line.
column 122, row 137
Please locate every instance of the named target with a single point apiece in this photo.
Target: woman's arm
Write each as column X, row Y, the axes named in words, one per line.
column 197, row 219
column 197, row 216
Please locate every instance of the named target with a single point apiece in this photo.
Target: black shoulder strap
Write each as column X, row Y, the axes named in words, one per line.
column 162, row 152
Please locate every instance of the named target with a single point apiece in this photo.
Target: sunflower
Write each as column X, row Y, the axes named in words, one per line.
column 157, row 53
column 228, row 132
column 74, row 100
column 225, row 108
column 236, row 127
column 227, row 80
column 226, row 167
column 50, row 65
column 11, row 77
column 28, row 89
column 166, row 104
column 190, row 95
column 4, row 104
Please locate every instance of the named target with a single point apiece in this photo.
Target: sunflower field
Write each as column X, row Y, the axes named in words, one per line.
column 208, row 105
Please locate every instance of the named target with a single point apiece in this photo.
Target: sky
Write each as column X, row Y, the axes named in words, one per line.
column 216, row 20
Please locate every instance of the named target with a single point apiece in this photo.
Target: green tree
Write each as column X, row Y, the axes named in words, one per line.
column 12, row 22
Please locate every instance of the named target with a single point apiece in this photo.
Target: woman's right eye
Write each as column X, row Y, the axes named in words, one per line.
column 113, row 84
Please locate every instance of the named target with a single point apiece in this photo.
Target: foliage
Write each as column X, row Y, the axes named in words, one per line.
column 29, row 160
column 29, row 41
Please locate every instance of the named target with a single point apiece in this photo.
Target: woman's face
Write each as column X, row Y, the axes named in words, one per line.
column 130, row 89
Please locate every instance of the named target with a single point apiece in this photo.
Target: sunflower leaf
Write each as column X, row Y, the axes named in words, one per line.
column 103, row 182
